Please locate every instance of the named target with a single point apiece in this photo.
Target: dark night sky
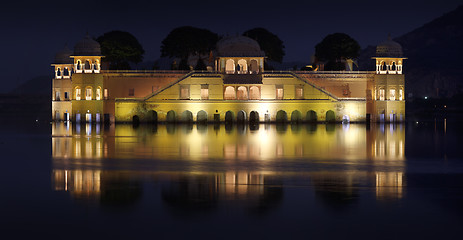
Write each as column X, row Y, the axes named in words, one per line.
column 33, row 32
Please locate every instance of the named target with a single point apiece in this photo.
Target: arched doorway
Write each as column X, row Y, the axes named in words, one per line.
column 186, row 116
column 241, row 118
column 281, row 116
column 229, row 117
column 330, row 117
column 242, row 93
column 311, row 116
column 201, row 117
column 171, row 116
column 135, row 119
column 243, row 66
column 152, row 116
column 230, row 66
column 254, row 117
column 229, row 93
column 296, row 116
column 254, row 93
column 254, row 68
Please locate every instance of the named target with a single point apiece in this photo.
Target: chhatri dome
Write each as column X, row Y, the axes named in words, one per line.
column 63, row 56
column 87, row 47
column 389, row 48
column 238, row 46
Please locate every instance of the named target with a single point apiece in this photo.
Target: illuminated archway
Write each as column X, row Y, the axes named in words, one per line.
column 230, row 66
column 243, row 66
column 253, row 67
column 242, row 93
column 254, row 93
column 229, row 93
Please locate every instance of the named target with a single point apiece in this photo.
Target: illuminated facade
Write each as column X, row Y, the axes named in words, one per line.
column 235, row 89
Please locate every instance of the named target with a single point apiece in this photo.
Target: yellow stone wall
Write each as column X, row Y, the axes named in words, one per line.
column 167, row 100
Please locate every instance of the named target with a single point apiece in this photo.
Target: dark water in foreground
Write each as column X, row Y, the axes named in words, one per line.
column 278, row 182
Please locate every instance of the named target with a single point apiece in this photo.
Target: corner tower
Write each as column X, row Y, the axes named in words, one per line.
column 61, row 86
column 386, row 94
column 87, row 81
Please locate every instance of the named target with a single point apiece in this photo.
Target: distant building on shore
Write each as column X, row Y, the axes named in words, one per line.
column 235, row 89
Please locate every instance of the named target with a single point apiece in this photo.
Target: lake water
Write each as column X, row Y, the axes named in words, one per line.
column 217, row 181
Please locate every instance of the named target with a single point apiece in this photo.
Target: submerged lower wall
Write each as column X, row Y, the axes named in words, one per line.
column 261, row 111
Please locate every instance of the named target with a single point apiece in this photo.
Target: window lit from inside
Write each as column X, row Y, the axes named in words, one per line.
column 279, row 93
column 88, row 94
column 204, row 92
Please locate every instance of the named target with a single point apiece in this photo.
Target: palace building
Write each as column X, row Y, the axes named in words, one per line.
column 236, row 88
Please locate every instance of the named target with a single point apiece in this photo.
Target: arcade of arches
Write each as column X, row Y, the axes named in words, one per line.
column 240, row 116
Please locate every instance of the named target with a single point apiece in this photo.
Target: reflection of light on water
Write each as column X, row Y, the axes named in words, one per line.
column 78, row 181
column 389, row 185
column 350, row 142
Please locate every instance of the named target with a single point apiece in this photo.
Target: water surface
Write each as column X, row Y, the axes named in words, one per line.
column 229, row 181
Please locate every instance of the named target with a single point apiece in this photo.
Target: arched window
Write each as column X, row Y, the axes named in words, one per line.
column 58, row 72
column 79, row 65
column 88, row 93
column 242, row 93
column 66, row 71
column 401, row 94
column 254, row 68
column 87, row 65
column 78, row 93
column 381, row 94
column 243, row 66
column 201, row 117
column 392, row 94
column 229, row 93
column 230, row 66
column 98, row 93
column 95, row 65
column 383, row 66
column 254, row 93
column 393, row 67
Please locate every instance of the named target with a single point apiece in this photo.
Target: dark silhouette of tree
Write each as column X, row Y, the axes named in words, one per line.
column 183, row 65
column 200, row 65
column 185, row 41
column 335, row 48
column 270, row 43
column 120, row 48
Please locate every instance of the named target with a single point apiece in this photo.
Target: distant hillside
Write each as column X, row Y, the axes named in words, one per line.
column 434, row 65
column 40, row 85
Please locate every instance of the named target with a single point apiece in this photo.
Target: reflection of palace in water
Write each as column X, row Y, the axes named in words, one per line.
column 92, row 161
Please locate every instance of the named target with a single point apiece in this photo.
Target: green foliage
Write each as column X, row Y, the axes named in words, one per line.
column 200, row 65
column 120, row 48
column 270, row 43
column 184, row 41
column 336, row 47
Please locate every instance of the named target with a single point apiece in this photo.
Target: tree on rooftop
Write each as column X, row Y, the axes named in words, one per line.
column 335, row 48
column 185, row 41
column 120, row 49
column 270, row 43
